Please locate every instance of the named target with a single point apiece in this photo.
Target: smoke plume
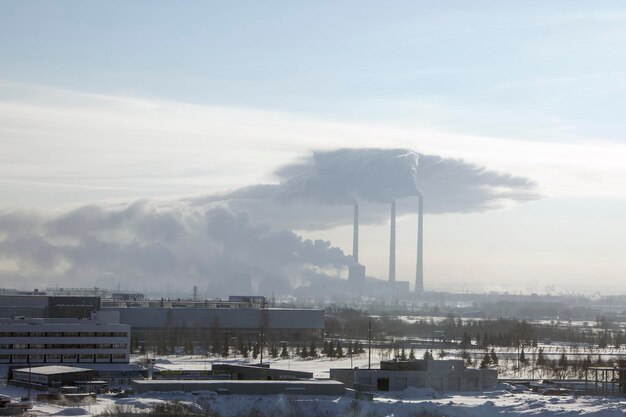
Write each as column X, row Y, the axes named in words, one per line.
column 240, row 241
column 164, row 248
column 310, row 193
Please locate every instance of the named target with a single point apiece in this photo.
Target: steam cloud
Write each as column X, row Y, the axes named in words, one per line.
column 310, row 193
column 153, row 247
column 239, row 241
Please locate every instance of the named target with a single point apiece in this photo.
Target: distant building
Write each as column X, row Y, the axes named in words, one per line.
column 440, row 375
column 258, row 387
column 179, row 320
column 255, row 372
column 197, row 323
column 127, row 296
column 47, row 306
column 101, row 339
column 43, row 377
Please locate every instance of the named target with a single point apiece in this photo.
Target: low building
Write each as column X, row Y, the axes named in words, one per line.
column 440, row 375
column 44, row 377
column 312, row 387
column 197, row 322
column 101, row 339
column 252, row 372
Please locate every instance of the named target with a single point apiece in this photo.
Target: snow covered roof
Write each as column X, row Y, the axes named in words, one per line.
column 52, row 370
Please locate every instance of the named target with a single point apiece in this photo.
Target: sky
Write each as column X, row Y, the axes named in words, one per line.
column 113, row 102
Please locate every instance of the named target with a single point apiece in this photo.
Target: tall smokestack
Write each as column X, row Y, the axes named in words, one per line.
column 419, row 272
column 355, row 234
column 392, row 244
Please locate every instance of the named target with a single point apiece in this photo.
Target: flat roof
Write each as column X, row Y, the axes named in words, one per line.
column 234, row 382
column 52, row 370
column 607, row 368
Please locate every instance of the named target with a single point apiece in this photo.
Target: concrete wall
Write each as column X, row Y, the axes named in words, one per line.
column 244, row 387
column 279, row 324
column 243, row 372
column 439, row 380
column 239, row 318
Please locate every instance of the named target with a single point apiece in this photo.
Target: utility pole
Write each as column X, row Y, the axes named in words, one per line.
column 264, row 318
column 351, row 349
column 369, row 346
column 29, row 371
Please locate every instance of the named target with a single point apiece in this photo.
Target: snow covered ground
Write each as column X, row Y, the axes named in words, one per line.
column 409, row 403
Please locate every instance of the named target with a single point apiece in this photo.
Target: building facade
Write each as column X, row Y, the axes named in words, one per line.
column 274, row 325
column 440, row 375
column 101, row 339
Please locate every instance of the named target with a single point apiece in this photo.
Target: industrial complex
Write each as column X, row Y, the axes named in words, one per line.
column 440, row 375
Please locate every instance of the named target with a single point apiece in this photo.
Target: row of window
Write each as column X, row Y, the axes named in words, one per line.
column 56, row 357
column 63, row 334
column 63, row 346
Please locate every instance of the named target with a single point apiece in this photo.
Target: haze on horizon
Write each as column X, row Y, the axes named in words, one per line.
column 143, row 108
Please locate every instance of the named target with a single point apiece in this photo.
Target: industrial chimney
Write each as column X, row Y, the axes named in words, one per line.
column 392, row 244
column 355, row 234
column 419, row 272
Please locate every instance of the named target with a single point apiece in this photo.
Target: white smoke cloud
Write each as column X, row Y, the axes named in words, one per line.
column 310, row 192
column 239, row 241
column 150, row 247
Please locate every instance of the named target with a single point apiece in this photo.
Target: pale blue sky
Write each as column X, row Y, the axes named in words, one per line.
column 536, row 88
column 531, row 69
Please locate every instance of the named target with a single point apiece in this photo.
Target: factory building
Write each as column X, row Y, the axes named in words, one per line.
column 43, row 377
column 243, row 317
column 258, row 372
column 440, row 375
column 150, row 323
column 100, row 339
column 256, row 387
column 40, row 305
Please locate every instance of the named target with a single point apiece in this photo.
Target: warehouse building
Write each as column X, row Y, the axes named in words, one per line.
column 440, row 375
column 258, row 372
column 311, row 387
column 177, row 321
column 150, row 324
column 43, row 377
